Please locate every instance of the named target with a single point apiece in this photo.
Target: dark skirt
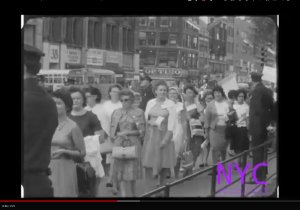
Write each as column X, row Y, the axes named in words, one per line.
column 241, row 142
column 195, row 145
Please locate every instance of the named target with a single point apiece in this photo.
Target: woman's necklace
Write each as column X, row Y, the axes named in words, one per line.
column 62, row 124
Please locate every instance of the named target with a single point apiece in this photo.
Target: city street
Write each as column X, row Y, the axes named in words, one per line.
column 200, row 186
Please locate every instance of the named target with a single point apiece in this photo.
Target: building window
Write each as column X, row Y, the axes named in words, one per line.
column 78, row 31
column 125, row 35
column 189, row 39
column 167, row 58
column 29, row 35
column 152, row 22
column 173, row 39
column 142, row 38
column 98, row 35
column 56, row 30
column 164, row 22
column 108, row 37
column 189, row 60
column 143, row 21
column 69, row 33
column 91, row 34
column 130, row 40
column 151, row 36
column 147, row 57
column 195, row 43
column 115, row 38
column 164, row 38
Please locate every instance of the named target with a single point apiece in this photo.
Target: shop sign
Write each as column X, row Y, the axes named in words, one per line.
column 54, row 53
column 95, row 57
column 114, row 57
column 163, row 71
column 73, row 56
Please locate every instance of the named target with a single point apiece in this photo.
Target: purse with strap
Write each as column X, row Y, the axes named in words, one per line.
column 187, row 159
column 126, row 151
column 86, row 178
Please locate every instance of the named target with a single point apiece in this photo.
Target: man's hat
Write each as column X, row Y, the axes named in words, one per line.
column 32, row 54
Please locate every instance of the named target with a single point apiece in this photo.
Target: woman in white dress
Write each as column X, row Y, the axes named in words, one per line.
column 179, row 133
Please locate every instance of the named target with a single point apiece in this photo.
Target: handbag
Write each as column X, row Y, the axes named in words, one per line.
column 86, row 178
column 124, row 151
column 106, row 147
column 187, row 159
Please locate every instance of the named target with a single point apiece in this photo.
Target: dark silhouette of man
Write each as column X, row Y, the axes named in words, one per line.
column 260, row 113
column 146, row 92
column 40, row 122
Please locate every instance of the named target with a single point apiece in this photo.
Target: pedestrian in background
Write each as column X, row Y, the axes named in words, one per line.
column 109, row 107
column 231, row 132
column 127, row 128
column 158, row 149
column 207, row 98
column 261, row 106
column 146, row 92
column 179, row 132
column 215, row 124
column 242, row 110
column 40, row 122
column 87, row 121
column 67, row 145
column 195, row 130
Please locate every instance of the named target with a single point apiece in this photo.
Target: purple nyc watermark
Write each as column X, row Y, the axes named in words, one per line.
column 242, row 173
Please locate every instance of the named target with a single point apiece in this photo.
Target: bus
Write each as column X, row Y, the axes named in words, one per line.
column 82, row 78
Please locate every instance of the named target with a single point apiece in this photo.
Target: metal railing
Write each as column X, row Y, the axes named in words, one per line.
column 213, row 192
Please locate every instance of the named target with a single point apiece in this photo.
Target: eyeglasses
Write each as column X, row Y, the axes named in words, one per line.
column 124, row 100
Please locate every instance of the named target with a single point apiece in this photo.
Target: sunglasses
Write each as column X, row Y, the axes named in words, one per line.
column 124, row 100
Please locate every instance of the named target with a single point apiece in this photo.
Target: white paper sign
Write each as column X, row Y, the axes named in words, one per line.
column 54, row 53
column 229, row 83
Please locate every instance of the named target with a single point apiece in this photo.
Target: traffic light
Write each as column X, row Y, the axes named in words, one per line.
column 263, row 54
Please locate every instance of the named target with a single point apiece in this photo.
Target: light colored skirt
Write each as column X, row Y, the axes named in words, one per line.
column 64, row 178
column 217, row 138
column 153, row 156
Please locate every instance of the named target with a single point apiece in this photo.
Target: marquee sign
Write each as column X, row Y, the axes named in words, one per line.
column 163, row 71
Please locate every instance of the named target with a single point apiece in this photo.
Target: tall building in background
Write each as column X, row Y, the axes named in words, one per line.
column 86, row 42
column 169, row 47
column 244, row 59
column 217, row 28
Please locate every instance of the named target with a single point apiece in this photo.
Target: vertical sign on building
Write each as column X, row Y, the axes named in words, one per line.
column 54, row 53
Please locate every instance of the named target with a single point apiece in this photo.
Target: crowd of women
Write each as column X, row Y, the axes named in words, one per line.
column 145, row 144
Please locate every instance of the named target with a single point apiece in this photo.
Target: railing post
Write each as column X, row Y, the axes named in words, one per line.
column 244, row 163
column 265, row 150
column 167, row 190
column 213, row 181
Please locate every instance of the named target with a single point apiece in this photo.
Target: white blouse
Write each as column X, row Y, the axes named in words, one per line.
column 242, row 111
column 222, row 110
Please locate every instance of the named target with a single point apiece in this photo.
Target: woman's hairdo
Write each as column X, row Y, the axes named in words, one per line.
column 65, row 96
column 127, row 92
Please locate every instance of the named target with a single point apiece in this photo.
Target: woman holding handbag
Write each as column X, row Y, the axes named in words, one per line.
column 87, row 121
column 67, row 144
column 126, row 131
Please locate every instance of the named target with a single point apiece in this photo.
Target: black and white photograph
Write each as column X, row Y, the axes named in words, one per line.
column 150, row 106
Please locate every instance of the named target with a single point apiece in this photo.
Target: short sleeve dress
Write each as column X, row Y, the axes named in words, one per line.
column 153, row 156
column 63, row 168
column 131, row 169
column 88, row 123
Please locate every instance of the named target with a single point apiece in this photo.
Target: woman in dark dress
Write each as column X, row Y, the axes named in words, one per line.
column 86, row 120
